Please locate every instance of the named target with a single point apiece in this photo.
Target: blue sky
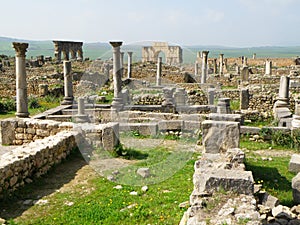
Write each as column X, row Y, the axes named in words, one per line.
column 237, row 23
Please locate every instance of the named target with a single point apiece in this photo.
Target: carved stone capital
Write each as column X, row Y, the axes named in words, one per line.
column 20, row 48
column 115, row 43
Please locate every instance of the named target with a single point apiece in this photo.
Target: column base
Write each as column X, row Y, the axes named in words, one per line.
column 81, row 119
column 67, row 101
column 22, row 114
column 117, row 104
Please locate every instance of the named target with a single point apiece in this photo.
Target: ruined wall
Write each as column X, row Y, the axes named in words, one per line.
column 22, row 164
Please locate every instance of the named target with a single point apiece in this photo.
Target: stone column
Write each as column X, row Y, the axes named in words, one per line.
column 204, row 66
column 199, row 55
column 117, row 102
column 65, row 54
column 245, row 63
column 168, row 104
column 268, row 67
column 122, row 63
column 296, row 117
column 68, row 85
column 43, row 90
column 221, row 64
column 283, row 97
column 73, row 54
column 245, row 73
column 129, row 64
column 57, row 51
column 80, row 54
column 158, row 71
column 223, row 106
column 21, row 84
column 254, row 56
column 196, row 68
column 81, row 117
column 211, row 96
column 215, row 66
column 244, row 98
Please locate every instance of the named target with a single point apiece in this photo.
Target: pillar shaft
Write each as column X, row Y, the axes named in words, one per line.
column 196, row 68
column 284, row 87
column 204, row 66
column 122, row 63
column 215, row 66
column 68, row 85
column 129, row 64
column 158, row 71
column 221, row 63
column 21, row 84
column 268, row 67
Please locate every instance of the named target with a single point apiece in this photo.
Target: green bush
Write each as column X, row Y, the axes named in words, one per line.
column 33, row 103
column 7, row 105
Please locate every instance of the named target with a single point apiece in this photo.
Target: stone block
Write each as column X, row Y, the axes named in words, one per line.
column 296, row 189
column 7, row 131
column 110, row 136
column 294, row 165
column 143, row 172
column 192, row 125
column 142, row 128
column 165, row 125
column 237, row 181
column 249, row 130
column 218, row 136
column 225, row 117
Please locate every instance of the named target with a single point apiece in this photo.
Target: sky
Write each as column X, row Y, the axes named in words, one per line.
column 232, row 23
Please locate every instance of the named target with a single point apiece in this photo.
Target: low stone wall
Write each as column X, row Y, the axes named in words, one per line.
column 22, row 164
column 21, row 131
column 148, row 99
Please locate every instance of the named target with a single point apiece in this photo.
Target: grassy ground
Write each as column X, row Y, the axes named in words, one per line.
column 95, row 201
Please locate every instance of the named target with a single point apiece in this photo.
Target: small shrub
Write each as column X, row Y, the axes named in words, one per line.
column 33, row 103
column 7, row 105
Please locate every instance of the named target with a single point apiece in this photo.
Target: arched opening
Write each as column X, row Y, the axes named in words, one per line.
column 160, row 54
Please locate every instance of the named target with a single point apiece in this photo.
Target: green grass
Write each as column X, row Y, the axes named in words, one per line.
column 106, row 205
column 274, row 176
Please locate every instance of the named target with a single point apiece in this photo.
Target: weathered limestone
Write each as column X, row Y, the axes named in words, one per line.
column 180, row 97
column 294, row 165
column 223, row 106
column 296, row 117
column 43, row 90
column 173, row 53
column 218, row 136
column 81, row 117
column 215, row 66
column 280, row 109
column 221, row 62
column 211, row 96
column 122, row 63
column 204, row 66
column 196, row 68
column 244, row 98
column 117, row 102
column 245, row 73
column 21, row 84
column 158, row 71
column 67, row 47
column 268, row 67
column 244, row 61
column 129, row 64
column 168, row 103
column 296, row 188
column 68, row 85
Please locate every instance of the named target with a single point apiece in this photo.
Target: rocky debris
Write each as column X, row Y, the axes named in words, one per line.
column 144, row 188
column 2, row 221
column 118, row 187
column 143, row 172
column 133, row 193
column 294, row 165
column 296, row 188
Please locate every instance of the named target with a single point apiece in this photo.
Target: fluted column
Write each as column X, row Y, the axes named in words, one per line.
column 21, row 84
column 117, row 102
column 129, row 64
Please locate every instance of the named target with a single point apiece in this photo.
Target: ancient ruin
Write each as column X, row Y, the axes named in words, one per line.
column 173, row 53
column 63, row 49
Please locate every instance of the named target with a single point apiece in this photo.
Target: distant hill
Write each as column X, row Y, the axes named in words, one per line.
column 103, row 50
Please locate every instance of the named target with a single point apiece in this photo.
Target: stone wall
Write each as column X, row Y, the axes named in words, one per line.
column 22, row 164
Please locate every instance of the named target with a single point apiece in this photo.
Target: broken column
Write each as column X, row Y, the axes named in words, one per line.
column 221, row 64
column 283, row 97
column 245, row 63
column 168, row 104
column 81, row 117
column 215, row 68
column 117, row 102
column 129, row 64
column 43, row 90
column 245, row 73
column 211, row 96
column 204, row 66
column 21, row 84
column 158, row 71
column 244, row 98
column 254, row 56
column 268, row 67
column 196, row 68
column 68, row 86
column 223, row 106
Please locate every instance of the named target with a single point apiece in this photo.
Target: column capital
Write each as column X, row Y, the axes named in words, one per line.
column 115, row 44
column 129, row 53
column 20, row 48
column 205, row 52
